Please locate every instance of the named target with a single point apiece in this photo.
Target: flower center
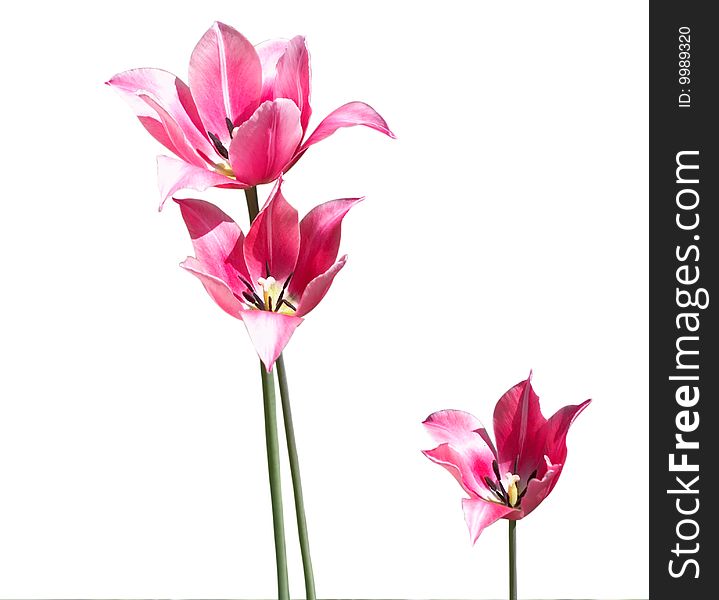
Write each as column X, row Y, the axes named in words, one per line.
column 506, row 489
column 274, row 295
column 223, row 167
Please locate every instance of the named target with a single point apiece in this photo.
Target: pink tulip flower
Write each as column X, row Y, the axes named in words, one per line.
column 510, row 480
column 242, row 119
column 275, row 275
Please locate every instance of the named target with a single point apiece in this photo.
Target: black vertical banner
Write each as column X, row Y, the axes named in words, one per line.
column 684, row 299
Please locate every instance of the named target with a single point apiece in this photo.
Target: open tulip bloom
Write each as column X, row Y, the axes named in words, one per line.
column 243, row 117
column 509, row 480
column 274, row 276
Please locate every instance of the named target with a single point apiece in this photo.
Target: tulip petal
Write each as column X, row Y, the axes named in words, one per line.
column 479, row 514
column 468, row 463
column 176, row 136
column 348, row 115
column 458, row 466
column 517, row 423
column 554, row 432
column 320, row 233
column 174, row 175
column 157, row 130
column 318, row 287
column 292, row 77
column 173, row 96
column 457, row 427
column 452, row 426
column 270, row 52
column 273, row 240
column 264, row 144
column 225, row 79
column 539, row 489
column 269, row 332
column 217, row 240
column 215, row 287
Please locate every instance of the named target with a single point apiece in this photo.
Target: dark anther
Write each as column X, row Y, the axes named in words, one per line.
column 218, row 145
column 288, row 303
column 282, row 293
column 230, row 125
column 516, row 462
column 269, row 302
column 280, row 299
column 254, row 300
column 247, row 283
column 495, row 490
column 501, row 487
column 267, row 268
column 532, row 476
column 495, row 468
column 519, row 498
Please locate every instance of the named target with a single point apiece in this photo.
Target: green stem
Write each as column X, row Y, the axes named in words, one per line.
column 253, row 206
column 512, row 560
column 273, row 464
column 296, row 480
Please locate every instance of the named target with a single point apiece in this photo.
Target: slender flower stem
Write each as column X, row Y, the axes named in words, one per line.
column 252, row 205
column 296, row 480
column 273, row 464
column 512, row 560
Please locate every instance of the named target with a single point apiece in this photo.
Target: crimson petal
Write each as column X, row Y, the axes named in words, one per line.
column 273, row 239
column 320, row 233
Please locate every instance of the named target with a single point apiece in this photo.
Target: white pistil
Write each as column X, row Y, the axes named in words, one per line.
column 510, row 484
column 266, row 285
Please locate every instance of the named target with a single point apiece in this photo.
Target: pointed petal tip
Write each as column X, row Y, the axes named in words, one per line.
column 218, row 25
column 430, row 417
column 112, row 82
column 581, row 407
column 184, row 264
column 178, row 201
column 269, row 333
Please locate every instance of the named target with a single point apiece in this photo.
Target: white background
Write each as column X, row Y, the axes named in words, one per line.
column 505, row 229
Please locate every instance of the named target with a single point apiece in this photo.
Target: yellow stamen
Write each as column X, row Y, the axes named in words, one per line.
column 224, row 169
